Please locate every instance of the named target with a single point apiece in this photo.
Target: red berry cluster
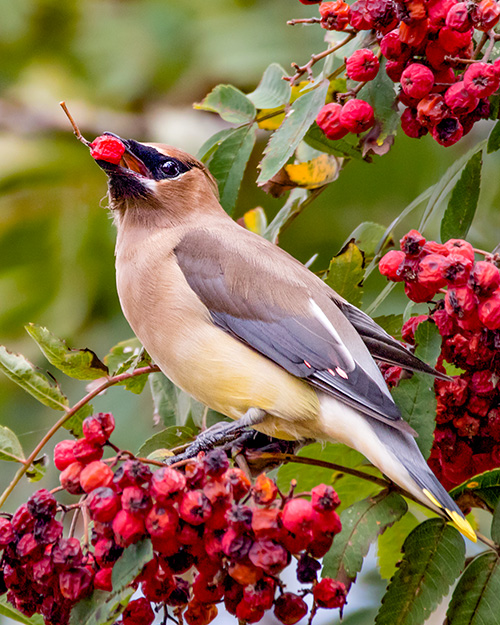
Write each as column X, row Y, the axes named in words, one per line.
column 430, row 51
column 467, row 434
column 204, row 518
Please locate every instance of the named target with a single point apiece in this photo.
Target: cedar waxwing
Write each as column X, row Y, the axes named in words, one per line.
column 248, row 330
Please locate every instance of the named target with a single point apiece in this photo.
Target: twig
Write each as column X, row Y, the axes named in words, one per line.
column 74, row 520
column 491, row 45
column 76, row 130
column 310, row 20
column 117, row 379
column 480, row 45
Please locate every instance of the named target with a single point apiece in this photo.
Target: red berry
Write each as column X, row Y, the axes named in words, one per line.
column 98, row 428
column 480, row 80
column 484, row 382
column 103, row 504
column 195, row 507
column 215, row 462
column 359, row 18
column 392, row 48
column 289, row 608
column 132, row 473
column 138, row 612
column 328, row 120
column 28, row 546
column 459, row 99
column 75, row 584
column 102, row 579
column 410, row 124
column 486, row 15
column 431, row 271
column 489, row 311
column 419, row 293
column 298, row 516
column 431, row 110
column 106, row 552
column 7, row 534
column 453, row 41
column 107, row 148
column 334, row 15
column 67, row 554
column 460, row 247
column 324, row 498
column 128, row 528
column 166, row 484
column 70, row 478
column 394, row 69
column 410, row 326
column 357, row 116
column 239, row 484
column 484, row 278
column 415, row 34
column 86, row 452
column 247, row 613
column 448, row 131
column 329, row 593
column 201, row 613
column 95, row 475
column 412, row 243
column 266, row 523
column 417, row 80
column 136, row 500
column 269, row 556
column 460, row 302
column 390, row 263
column 42, row 504
column 459, row 17
column 362, row 65
column 64, row 454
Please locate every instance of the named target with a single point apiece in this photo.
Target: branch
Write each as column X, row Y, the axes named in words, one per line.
column 117, row 379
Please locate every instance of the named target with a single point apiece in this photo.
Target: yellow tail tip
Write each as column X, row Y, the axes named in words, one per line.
column 460, row 523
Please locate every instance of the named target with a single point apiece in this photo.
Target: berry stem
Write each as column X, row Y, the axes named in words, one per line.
column 117, row 379
column 76, row 130
column 491, row 45
column 480, row 45
column 310, row 20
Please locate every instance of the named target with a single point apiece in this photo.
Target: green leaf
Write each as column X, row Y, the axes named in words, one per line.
column 415, row 397
column 74, row 424
column 480, row 490
column 230, row 103
column 476, row 599
column 10, row 447
column 166, row 439
column 434, row 555
column 272, row 91
column 164, row 398
column 392, row 324
column 291, row 132
column 6, row 609
column 381, row 94
column 346, row 272
column 22, row 372
column 38, row 468
column 316, row 138
column 211, row 144
column 371, row 238
column 104, row 608
column 228, row 162
column 351, row 489
column 361, row 524
column 494, row 139
column 495, row 525
column 122, row 355
column 462, row 206
column 81, row 364
column 390, row 544
column 308, row 476
column 293, row 205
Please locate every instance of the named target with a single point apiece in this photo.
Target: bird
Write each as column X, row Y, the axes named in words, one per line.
column 248, row 330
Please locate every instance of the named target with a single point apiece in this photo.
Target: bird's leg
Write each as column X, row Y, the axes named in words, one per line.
column 221, row 432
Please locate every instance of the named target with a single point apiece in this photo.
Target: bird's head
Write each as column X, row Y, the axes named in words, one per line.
column 145, row 177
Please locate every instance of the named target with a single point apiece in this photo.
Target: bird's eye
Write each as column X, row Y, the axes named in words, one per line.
column 170, row 169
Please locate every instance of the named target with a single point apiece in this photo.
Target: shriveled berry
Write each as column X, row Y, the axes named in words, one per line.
column 431, row 271
column 417, row 80
column 138, row 612
column 357, row 116
column 42, row 504
column 86, row 452
column 128, row 528
column 324, row 498
column 486, row 15
column 289, row 608
column 329, row 593
column 307, row 569
column 7, row 534
column 484, row 278
column 107, row 148
column 410, row 124
column 489, row 311
column 264, row 490
column 362, row 65
column 390, row 263
column 410, row 326
column 180, row 594
column 431, row 110
column 75, row 583
column 328, row 120
column 67, row 554
column 419, row 293
column 460, row 302
column 166, row 484
column 64, row 454
column 215, row 462
column 70, row 478
column 95, row 475
column 239, row 483
column 195, row 507
column 460, row 247
column 392, row 47
column 135, row 500
column 200, row 613
column 480, row 80
column 453, row 41
column 334, row 15
column 102, row 579
column 98, row 428
column 106, row 552
column 448, row 131
column 28, row 546
column 49, row 532
column 103, row 504
column 460, row 101
column 132, row 473
column 459, row 17
column 248, row 613
column 266, row 522
column 412, row 243
column 269, row 556
column 394, row 69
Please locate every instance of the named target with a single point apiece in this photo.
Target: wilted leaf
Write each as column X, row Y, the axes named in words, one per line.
column 230, row 103
column 38, row 468
column 494, row 139
column 482, row 490
column 81, row 364
column 461, row 209
column 166, row 439
column 434, row 555
column 284, row 140
column 10, row 447
column 361, row 524
column 316, row 138
column 272, row 91
column 22, row 372
column 390, row 544
column 228, row 161
column 346, row 272
column 315, row 173
column 476, row 599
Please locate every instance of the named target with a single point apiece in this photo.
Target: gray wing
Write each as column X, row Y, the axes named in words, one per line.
column 273, row 316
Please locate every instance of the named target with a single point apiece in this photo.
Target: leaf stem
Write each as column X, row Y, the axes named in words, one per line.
column 117, row 379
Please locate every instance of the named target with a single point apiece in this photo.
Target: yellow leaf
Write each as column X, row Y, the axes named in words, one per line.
column 255, row 220
column 271, row 121
column 315, row 173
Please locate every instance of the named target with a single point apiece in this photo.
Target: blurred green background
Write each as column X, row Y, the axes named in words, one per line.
column 135, row 68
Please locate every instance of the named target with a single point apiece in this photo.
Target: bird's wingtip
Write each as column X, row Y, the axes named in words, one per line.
column 460, row 522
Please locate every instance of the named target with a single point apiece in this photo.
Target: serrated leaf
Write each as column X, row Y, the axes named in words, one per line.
column 288, row 136
column 123, row 354
column 392, row 324
column 166, row 439
column 10, row 447
column 480, row 490
column 211, row 144
column 371, row 238
column 361, row 524
column 415, row 397
column 381, row 94
column 81, row 364
column 309, row 476
column 390, row 544
column 272, row 91
column 6, row 609
column 346, row 272
column 434, row 555
column 494, row 139
column 462, row 206
column 228, row 161
column 316, row 138
column 103, row 608
column 230, row 103
column 351, row 489
column 476, row 599
column 22, row 372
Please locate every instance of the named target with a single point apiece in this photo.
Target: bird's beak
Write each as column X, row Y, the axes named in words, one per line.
column 130, row 163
